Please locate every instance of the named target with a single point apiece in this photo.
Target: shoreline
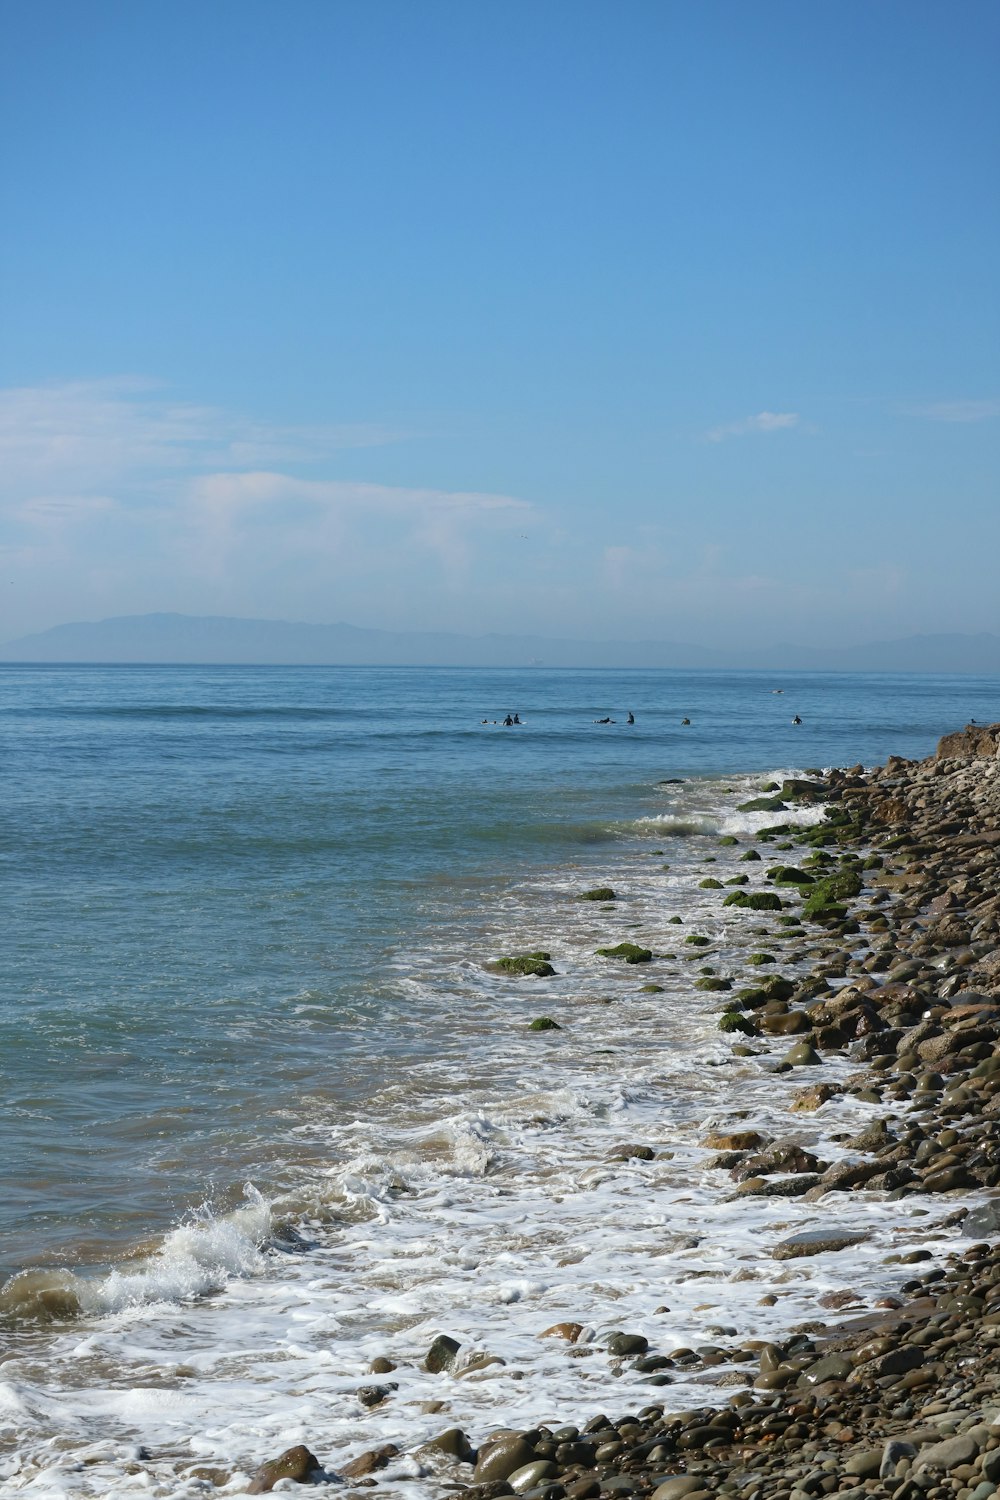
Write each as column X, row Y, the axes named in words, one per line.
column 902, row 1400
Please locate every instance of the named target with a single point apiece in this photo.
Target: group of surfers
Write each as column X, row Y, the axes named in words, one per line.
column 512, row 719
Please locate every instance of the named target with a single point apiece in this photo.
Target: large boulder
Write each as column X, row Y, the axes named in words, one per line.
column 973, row 740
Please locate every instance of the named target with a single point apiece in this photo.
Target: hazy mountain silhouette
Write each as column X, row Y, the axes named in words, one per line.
column 220, row 639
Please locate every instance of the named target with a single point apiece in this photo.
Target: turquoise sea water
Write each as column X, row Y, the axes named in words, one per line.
column 209, row 873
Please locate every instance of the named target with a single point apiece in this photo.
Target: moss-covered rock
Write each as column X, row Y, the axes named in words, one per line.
column 776, row 987
column 651, row 989
column 713, row 984
column 523, row 964
column 789, row 875
column 732, row 1020
column 675, row 921
column 762, row 804
column 710, row 884
column 738, row 880
column 630, row 952
column 696, row 940
column 762, row 958
column 754, row 900
column 544, row 1023
column 804, row 791
column 728, row 840
column 599, row 893
column 750, row 857
column 832, row 891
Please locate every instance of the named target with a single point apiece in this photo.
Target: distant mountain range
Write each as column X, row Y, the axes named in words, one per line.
column 218, row 639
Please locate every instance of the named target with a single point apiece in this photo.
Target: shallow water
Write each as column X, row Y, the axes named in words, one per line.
column 248, row 916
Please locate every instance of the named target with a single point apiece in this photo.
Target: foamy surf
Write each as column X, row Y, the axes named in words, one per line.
column 197, row 1258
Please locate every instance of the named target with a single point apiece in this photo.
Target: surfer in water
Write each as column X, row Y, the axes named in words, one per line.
column 685, row 721
column 796, row 720
column 508, row 722
column 631, row 718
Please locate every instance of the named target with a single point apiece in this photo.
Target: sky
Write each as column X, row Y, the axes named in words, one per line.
column 617, row 319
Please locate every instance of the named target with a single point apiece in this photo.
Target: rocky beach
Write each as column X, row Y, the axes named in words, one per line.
column 896, row 895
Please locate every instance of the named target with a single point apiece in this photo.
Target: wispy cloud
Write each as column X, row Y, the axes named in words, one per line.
column 86, row 432
column 957, row 411
column 132, row 494
column 763, row 422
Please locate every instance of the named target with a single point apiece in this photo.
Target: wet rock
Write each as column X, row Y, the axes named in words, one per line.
column 754, row 900
column 630, row 952
column 816, row 1242
column 441, row 1354
column 522, row 965
column 734, row 1140
column 370, row 1461
column 832, row 1367
column 983, row 1222
column 568, row 1331
column 531, row 1474
column 813, row 1097
column 296, row 1463
column 626, row 1344
column 782, row 1156
column 778, row 1187
column 802, row 1055
column 374, row 1395
column 501, row 1456
column 599, row 893
column 454, row 1442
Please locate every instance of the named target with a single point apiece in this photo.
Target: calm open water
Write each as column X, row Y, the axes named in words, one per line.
column 207, row 873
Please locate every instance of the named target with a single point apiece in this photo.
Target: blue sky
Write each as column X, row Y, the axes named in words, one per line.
column 605, row 318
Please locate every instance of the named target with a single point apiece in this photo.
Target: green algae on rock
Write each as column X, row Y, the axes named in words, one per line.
column 599, row 893
column 754, row 900
column 630, row 952
column 523, row 964
column 733, row 1020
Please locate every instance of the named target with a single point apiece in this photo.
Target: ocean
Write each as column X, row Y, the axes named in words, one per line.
column 267, row 1113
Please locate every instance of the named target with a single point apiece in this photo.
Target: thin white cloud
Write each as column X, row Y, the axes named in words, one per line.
column 114, row 495
column 763, row 422
column 83, row 433
column 237, row 491
column 957, row 411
